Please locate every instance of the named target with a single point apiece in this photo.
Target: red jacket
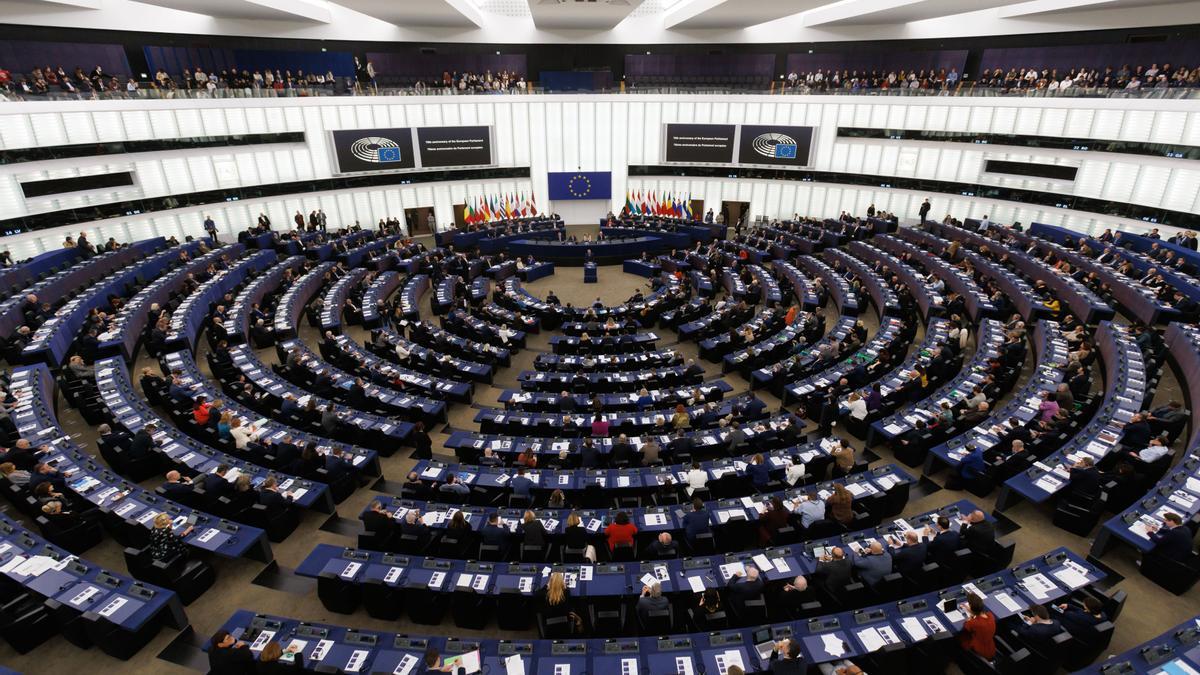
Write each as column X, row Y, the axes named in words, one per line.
column 979, row 635
column 620, row 534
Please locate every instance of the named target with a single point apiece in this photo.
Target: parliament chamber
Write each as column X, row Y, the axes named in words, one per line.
column 628, row 336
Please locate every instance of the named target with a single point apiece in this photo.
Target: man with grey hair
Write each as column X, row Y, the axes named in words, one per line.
column 651, row 600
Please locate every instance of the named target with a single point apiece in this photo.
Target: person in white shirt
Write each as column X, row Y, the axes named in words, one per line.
column 402, row 351
column 857, row 406
column 1155, row 451
column 795, row 471
column 242, row 435
column 697, row 478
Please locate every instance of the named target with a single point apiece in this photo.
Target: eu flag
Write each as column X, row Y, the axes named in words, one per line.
column 567, row 185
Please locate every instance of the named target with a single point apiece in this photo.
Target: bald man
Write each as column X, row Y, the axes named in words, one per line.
column 977, row 533
column 833, row 571
column 795, row 594
column 872, row 564
column 663, row 547
column 909, row 556
column 176, row 487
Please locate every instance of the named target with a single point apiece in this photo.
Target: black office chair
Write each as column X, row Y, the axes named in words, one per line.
column 607, row 618
column 1173, row 575
column 624, row 552
column 381, row 600
column 424, row 605
column 659, row 622
column 26, row 622
column 513, row 610
column 553, row 628
column 337, row 594
column 470, row 609
column 188, row 577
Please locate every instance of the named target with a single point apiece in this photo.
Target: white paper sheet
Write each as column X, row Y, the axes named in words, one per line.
column 696, row 583
column 832, row 645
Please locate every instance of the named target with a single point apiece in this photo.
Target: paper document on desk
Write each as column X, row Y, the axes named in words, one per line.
column 1007, row 601
column 724, row 660
column 914, row 628
column 832, row 645
column 763, row 563
column 696, row 583
column 513, row 665
column 729, row 570
column 870, row 639
column 1039, row 586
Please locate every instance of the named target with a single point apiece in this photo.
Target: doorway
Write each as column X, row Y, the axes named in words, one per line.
column 697, row 209
column 735, row 212
column 418, row 220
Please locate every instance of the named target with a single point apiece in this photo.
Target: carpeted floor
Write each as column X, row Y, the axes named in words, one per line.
column 274, row 589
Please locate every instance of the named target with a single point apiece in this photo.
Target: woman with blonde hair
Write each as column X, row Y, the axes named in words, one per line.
column 164, row 543
column 532, row 531
column 270, row 659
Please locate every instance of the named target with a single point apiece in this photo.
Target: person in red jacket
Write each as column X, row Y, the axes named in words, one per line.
column 979, row 632
column 620, row 531
column 200, row 411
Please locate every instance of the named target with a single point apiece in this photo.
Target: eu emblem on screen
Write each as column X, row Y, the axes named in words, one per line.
column 389, row 155
column 579, row 186
column 785, row 151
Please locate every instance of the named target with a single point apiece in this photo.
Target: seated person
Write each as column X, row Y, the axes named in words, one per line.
column 978, row 634
column 873, row 564
column 1173, row 540
column 1038, row 630
column 651, row 600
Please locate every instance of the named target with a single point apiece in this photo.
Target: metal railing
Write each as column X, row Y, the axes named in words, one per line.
column 147, row 92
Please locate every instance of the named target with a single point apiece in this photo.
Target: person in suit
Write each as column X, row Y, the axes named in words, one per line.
column 520, row 484
column 228, row 656
column 622, row 452
column 589, row 455
column 873, row 564
column 422, row 443
column 177, row 487
column 413, row 526
column 216, row 485
column 758, row 472
column 492, row 534
column 1037, row 629
column 786, row 658
column 378, row 520
column 1081, row 620
column 142, row 443
column 1137, row 432
column 771, row 520
column 1085, row 478
column 696, row 521
column 1172, row 540
column 270, row 496
column 833, row 571
column 909, row 556
column 944, row 541
column 662, row 547
column 651, row 600
column 742, row 588
column 978, row 533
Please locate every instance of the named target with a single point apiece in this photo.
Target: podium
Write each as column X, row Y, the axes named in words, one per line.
column 589, row 273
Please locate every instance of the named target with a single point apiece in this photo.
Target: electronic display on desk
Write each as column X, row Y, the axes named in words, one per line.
column 455, row 146
column 703, row 143
column 359, row 150
column 776, row 146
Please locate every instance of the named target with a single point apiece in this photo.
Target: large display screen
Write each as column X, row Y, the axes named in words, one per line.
column 455, row 146
column 374, row 150
column 700, row 143
column 774, row 145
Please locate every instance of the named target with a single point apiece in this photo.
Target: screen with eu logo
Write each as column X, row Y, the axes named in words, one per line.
column 359, row 150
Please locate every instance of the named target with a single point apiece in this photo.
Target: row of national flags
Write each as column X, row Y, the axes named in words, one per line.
column 486, row 209
column 641, row 203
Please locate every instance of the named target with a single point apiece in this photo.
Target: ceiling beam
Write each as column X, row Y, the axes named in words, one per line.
column 1048, row 6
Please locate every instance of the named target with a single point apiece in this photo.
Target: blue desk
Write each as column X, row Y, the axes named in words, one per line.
column 237, row 328
column 765, row 323
column 554, row 424
column 385, row 341
column 465, row 241
column 14, row 279
column 66, row 282
column 474, row 328
column 117, row 498
column 1179, row 489
column 843, row 297
column 769, row 350
column 191, row 315
column 408, row 405
column 662, row 358
column 363, row 461
column 927, row 299
column 410, row 296
column 335, row 299
column 86, row 587
column 884, row 298
column 296, row 297
column 882, row 483
column 603, row 382
column 644, row 481
column 574, row 253
column 978, row 303
column 467, row 443
column 1050, row 364
column 1053, row 577
column 802, row 362
column 1126, row 394
column 378, row 291
column 1175, row 652
column 52, row 341
column 191, row 457
column 887, row 337
column 536, row 271
column 346, row 351
column 988, row 342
